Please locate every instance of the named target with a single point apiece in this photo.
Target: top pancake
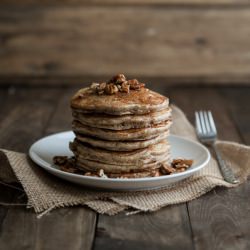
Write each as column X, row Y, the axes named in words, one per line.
column 140, row 101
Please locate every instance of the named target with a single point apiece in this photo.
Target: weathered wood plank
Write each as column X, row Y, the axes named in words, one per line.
column 19, row 108
column 132, row 2
column 78, row 224
column 202, row 45
column 191, row 99
column 7, row 194
column 29, row 111
column 239, row 105
column 68, row 228
column 61, row 120
column 164, row 229
column 62, row 229
column 218, row 218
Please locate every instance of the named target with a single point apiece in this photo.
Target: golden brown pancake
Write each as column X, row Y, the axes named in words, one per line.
column 121, row 128
column 142, row 101
column 123, row 122
column 121, row 135
column 94, row 166
column 121, row 145
column 138, row 157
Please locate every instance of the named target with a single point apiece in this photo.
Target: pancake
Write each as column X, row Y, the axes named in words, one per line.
column 93, row 166
column 121, row 135
column 142, row 101
column 138, row 157
column 121, row 145
column 121, row 129
column 122, row 122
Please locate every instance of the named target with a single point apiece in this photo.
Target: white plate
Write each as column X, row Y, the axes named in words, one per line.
column 43, row 151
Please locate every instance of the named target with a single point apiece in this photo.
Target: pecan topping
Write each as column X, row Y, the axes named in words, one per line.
column 118, row 79
column 101, row 88
column 111, row 89
column 94, row 85
column 124, row 87
column 118, row 83
column 135, row 84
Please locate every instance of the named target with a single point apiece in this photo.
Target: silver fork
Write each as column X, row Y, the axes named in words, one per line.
column 207, row 134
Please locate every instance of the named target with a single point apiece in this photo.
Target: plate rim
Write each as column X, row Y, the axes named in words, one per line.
column 47, row 166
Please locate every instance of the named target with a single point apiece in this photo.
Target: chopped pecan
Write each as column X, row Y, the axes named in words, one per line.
column 101, row 88
column 91, row 174
column 101, row 173
column 111, row 89
column 69, row 169
column 182, row 163
column 167, row 169
column 124, row 87
column 156, row 173
column 118, row 79
column 135, row 84
column 180, row 170
column 94, row 85
column 60, row 160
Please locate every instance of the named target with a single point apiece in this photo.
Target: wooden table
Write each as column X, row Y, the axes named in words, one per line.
column 217, row 220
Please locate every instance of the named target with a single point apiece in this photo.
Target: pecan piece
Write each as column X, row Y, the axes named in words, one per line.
column 101, row 173
column 135, row 84
column 118, row 79
column 180, row 170
column 156, row 173
column 124, row 87
column 101, row 88
column 60, row 160
column 182, row 163
column 91, row 174
column 94, row 85
column 111, row 89
column 167, row 169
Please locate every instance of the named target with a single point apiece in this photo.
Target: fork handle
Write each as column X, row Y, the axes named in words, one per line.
column 226, row 172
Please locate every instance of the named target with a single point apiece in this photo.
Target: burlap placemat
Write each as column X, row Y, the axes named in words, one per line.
column 46, row 192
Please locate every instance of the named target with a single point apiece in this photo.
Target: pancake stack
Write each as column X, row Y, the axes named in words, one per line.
column 121, row 129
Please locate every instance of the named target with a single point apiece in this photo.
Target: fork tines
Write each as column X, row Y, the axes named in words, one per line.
column 205, row 123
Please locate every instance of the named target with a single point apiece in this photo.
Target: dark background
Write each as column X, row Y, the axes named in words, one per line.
column 161, row 41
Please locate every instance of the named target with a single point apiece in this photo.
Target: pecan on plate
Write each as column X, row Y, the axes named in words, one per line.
column 60, row 160
column 167, row 169
column 182, row 163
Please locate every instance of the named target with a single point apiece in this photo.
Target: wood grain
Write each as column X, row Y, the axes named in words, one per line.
column 190, row 45
column 131, row 2
column 19, row 108
column 191, row 99
column 167, row 228
column 239, row 106
column 218, row 218
column 63, row 228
